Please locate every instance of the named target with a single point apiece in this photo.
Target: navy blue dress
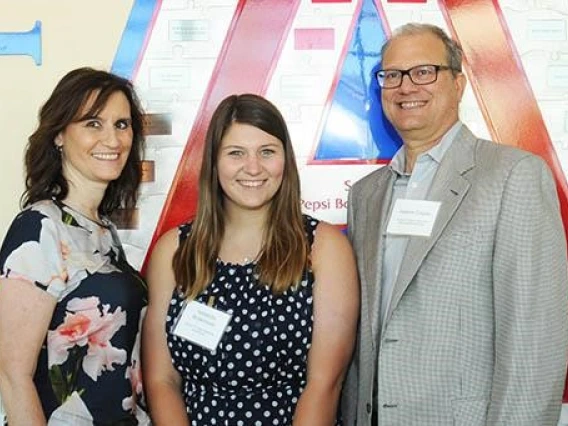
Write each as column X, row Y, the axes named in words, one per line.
column 257, row 373
column 88, row 371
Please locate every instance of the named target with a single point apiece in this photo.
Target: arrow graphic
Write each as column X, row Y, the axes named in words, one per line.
column 24, row 43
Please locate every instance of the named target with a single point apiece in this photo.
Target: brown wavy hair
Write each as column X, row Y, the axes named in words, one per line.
column 44, row 175
column 285, row 249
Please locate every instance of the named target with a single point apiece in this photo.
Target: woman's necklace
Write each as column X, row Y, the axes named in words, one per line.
column 96, row 221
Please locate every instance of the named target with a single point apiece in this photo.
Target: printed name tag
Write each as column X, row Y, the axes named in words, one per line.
column 201, row 324
column 413, row 217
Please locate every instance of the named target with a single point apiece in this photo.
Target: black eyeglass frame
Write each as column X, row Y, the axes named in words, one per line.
column 437, row 68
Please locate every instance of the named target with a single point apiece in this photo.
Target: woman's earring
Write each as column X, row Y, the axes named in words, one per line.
column 59, row 148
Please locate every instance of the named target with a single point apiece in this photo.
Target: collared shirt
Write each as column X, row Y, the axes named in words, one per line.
column 412, row 186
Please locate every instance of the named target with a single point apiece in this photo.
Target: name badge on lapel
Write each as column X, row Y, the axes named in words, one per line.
column 201, row 324
column 413, row 217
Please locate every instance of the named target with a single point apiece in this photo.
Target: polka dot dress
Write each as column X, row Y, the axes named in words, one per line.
column 257, row 373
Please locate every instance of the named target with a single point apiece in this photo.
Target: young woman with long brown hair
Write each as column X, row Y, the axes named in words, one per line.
column 253, row 305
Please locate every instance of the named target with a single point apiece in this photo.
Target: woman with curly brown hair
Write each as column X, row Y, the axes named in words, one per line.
column 70, row 304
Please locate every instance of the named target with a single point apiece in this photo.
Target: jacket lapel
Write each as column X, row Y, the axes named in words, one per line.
column 378, row 201
column 449, row 187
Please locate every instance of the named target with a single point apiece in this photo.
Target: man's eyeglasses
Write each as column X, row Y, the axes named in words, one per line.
column 420, row 75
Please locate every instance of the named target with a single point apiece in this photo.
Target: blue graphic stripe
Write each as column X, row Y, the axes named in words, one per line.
column 132, row 42
column 355, row 128
column 22, row 43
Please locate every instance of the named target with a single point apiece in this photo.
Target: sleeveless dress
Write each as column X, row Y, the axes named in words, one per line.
column 256, row 374
column 88, row 370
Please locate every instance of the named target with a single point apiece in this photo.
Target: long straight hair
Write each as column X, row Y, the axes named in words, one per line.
column 285, row 249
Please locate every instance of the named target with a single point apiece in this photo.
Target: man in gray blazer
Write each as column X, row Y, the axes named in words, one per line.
column 462, row 259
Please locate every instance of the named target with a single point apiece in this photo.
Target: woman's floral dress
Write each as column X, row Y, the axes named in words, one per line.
column 88, row 370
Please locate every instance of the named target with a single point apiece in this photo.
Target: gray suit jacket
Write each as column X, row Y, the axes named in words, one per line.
column 477, row 329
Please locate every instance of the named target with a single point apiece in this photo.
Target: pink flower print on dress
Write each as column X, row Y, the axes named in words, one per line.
column 101, row 355
column 30, row 257
column 85, row 304
column 134, row 371
column 65, row 250
column 72, row 332
column 85, row 324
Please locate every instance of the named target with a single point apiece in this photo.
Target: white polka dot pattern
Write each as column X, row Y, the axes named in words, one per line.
column 258, row 371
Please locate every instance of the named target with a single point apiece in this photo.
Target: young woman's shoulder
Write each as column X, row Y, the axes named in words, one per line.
column 328, row 231
column 160, row 272
column 167, row 243
column 330, row 243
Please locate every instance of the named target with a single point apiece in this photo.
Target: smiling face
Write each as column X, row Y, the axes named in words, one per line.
column 95, row 149
column 250, row 167
column 421, row 114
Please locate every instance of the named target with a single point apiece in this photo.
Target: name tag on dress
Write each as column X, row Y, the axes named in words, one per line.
column 413, row 217
column 201, row 324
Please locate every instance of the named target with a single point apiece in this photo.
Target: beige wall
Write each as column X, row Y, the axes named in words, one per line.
column 74, row 33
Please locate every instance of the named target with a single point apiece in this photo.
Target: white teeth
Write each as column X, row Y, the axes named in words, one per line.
column 411, row 105
column 251, row 183
column 105, row 156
